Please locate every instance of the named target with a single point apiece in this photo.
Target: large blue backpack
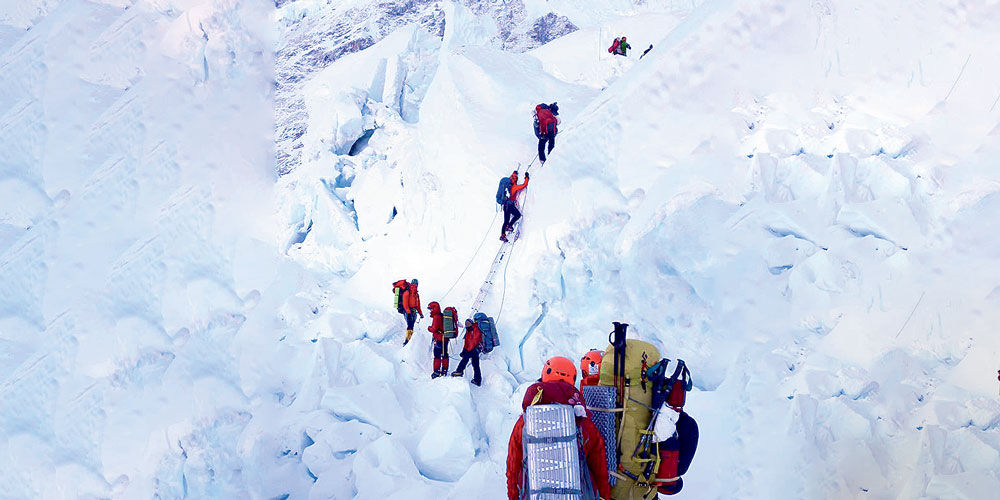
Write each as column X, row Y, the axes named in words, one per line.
column 502, row 190
column 489, row 329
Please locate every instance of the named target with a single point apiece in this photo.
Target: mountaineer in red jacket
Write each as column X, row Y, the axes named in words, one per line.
column 510, row 212
column 547, row 122
column 440, row 343
column 470, row 352
column 557, row 385
column 411, row 308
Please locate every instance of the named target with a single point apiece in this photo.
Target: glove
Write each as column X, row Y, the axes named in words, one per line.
column 580, row 411
column 527, row 176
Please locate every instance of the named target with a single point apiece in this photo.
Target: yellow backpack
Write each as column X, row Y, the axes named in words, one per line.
column 631, row 478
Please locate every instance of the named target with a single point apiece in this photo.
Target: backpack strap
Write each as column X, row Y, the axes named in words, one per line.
column 537, row 398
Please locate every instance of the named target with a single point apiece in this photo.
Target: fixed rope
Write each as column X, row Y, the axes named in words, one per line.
column 502, row 253
column 505, row 250
column 503, row 294
column 474, row 254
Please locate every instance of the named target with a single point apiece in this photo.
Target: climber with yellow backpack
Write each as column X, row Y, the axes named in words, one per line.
column 406, row 299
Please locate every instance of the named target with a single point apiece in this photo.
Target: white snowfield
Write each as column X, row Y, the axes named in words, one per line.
column 799, row 199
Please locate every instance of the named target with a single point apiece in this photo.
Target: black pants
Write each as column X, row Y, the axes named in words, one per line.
column 549, row 138
column 510, row 215
column 410, row 319
column 477, row 376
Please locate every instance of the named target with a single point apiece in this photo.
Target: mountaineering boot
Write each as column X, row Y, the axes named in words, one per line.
column 409, row 333
column 436, row 374
column 457, row 373
column 478, row 383
column 503, row 238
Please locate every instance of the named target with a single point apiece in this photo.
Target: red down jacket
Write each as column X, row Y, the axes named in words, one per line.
column 593, row 442
column 473, row 336
column 437, row 321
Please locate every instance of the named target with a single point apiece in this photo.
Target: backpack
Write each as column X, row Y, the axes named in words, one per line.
column 450, row 320
column 677, row 451
column 553, row 463
column 637, row 465
column 398, row 288
column 676, row 454
column 601, row 401
column 534, row 113
column 614, row 46
column 503, row 190
column 489, row 329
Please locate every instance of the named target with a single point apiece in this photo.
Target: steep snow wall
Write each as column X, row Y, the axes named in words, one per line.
column 136, row 235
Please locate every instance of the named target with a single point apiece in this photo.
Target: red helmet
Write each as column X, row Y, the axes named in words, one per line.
column 590, row 365
column 559, row 368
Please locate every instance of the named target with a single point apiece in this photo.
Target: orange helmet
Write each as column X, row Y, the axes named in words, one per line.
column 559, row 368
column 590, row 365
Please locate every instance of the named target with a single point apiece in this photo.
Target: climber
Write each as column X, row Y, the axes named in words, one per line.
column 470, row 352
column 548, row 121
column 646, row 51
column 590, row 368
column 511, row 214
column 438, row 331
column 411, row 308
column 557, row 386
column 623, row 47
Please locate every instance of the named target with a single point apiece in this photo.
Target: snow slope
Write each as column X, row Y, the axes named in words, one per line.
column 798, row 200
column 784, row 196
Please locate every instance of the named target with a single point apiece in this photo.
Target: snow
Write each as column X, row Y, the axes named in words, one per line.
column 799, row 200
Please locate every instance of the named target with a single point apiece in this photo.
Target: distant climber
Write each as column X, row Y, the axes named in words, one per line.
column 590, row 368
column 511, row 214
column 470, row 352
column 646, row 51
column 546, row 127
column 410, row 304
column 623, row 48
column 557, row 387
column 620, row 47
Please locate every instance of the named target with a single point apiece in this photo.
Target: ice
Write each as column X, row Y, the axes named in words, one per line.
column 799, row 200
column 445, row 450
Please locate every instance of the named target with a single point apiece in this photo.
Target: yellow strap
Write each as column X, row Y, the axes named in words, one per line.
column 607, row 410
column 537, row 398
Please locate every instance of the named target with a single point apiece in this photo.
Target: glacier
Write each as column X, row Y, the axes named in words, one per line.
column 203, row 205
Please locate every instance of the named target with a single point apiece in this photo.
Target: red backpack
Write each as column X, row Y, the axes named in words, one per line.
column 614, row 46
